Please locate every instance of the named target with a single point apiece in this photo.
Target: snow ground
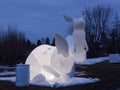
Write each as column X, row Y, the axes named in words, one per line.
column 71, row 82
column 6, row 67
column 101, row 59
column 94, row 60
column 6, row 72
column 12, row 79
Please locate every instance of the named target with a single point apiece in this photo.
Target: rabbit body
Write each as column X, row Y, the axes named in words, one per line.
column 45, row 60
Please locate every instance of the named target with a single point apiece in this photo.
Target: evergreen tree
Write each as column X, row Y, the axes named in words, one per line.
column 38, row 42
column 43, row 40
column 47, row 41
column 53, row 42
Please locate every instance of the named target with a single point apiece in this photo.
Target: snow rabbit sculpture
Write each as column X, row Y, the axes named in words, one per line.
column 54, row 64
column 77, row 41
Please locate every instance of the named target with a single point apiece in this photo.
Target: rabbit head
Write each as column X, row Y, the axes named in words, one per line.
column 78, row 23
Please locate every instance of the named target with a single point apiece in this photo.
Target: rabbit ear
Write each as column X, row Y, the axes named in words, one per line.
column 61, row 45
column 83, row 17
column 68, row 18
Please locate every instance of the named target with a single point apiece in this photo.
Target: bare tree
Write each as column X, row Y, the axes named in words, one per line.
column 97, row 19
column 115, row 35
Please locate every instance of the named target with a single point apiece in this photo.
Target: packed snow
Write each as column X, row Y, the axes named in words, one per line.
column 7, row 67
column 94, row 60
column 71, row 82
column 12, row 79
column 6, row 72
column 112, row 58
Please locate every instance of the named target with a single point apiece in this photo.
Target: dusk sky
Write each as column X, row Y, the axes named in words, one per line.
column 42, row 18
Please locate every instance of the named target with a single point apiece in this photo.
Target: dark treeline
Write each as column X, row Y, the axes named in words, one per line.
column 14, row 47
column 102, row 34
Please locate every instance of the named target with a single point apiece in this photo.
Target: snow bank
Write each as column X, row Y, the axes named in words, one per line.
column 8, row 79
column 94, row 60
column 114, row 58
column 7, row 67
column 7, row 73
column 73, row 81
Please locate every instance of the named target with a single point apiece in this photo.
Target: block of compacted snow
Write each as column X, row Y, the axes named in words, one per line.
column 22, row 75
column 114, row 57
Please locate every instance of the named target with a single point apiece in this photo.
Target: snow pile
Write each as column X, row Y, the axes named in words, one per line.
column 114, row 58
column 7, row 73
column 94, row 60
column 73, row 81
column 7, row 67
column 8, row 79
column 22, row 75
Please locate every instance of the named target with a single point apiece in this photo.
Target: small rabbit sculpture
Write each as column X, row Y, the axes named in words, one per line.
column 79, row 45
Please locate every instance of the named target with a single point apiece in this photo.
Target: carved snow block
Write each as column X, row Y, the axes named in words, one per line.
column 114, row 57
column 22, row 75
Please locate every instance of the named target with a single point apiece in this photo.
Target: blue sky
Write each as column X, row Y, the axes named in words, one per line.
column 42, row 18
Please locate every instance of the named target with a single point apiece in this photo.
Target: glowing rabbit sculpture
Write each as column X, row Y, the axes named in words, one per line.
column 54, row 64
